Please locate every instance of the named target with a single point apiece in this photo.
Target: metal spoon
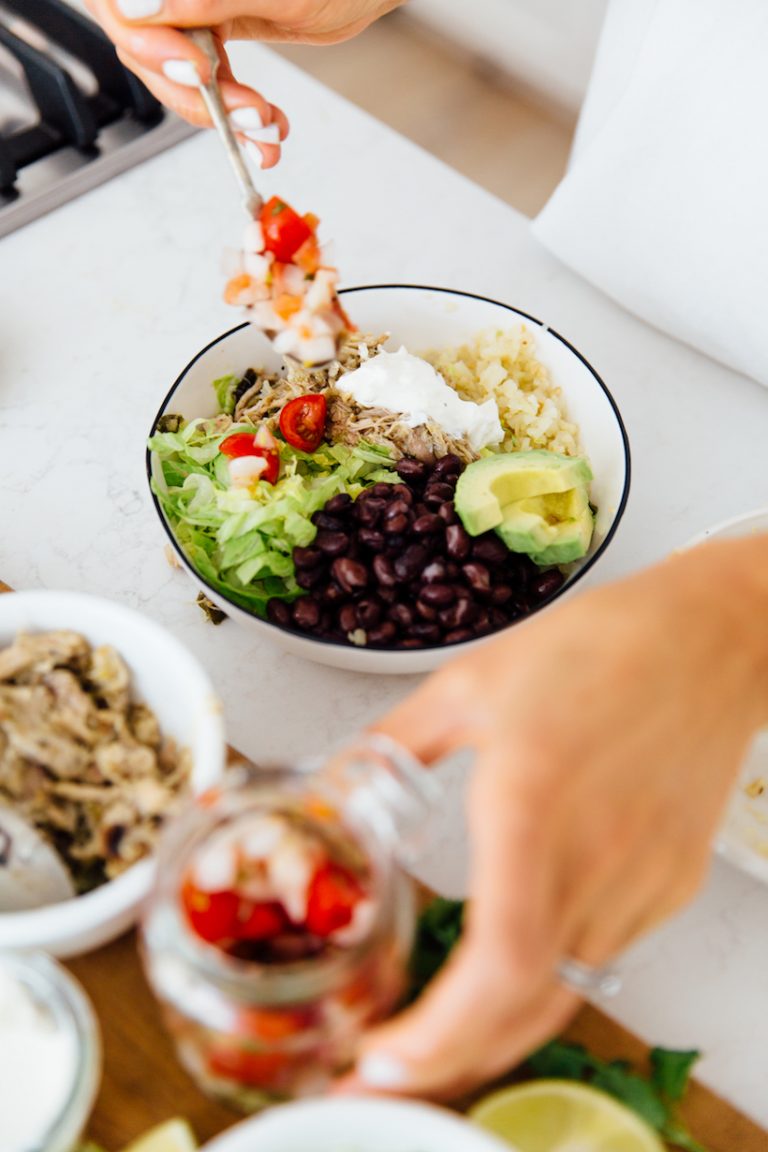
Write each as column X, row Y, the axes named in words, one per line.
column 32, row 873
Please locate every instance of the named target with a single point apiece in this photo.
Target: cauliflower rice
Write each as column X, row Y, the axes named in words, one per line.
column 502, row 364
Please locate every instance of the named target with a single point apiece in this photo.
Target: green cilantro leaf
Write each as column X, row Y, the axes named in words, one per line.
column 671, row 1071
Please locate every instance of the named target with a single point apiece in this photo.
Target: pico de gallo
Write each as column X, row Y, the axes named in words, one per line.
column 283, row 280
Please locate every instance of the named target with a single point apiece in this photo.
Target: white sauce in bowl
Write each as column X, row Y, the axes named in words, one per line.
column 38, row 1066
column 404, row 383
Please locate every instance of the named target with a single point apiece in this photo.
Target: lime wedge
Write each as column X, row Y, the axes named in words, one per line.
column 560, row 1116
column 173, row 1136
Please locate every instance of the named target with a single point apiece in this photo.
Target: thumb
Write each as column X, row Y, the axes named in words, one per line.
column 432, row 721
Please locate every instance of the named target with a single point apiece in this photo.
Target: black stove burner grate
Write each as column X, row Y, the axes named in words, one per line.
column 69, row 116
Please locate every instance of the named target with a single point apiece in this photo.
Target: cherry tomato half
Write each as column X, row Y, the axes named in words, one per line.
column 333, row 896
column 257, row 1069
column 246, row 444
column 302, row 421
column 284, row 230
column 211, row 915
column 261, row 921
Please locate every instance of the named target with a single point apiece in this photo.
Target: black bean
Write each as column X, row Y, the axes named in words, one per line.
column 545, row 584
column 309, row 577
column 449, row 465
column 402, row 492
column 410, row 562
column 387, row 594
column 501, row 594
column 278, row 612
column 411, row 470
column 434, row 573
column 326, row 622
column 478, row 577
column 369, row 511
column 459, row 636
column 384, row 634
column 331, row 594
column 396, row 508
column 306, row 612
column 369, row 613
column 457, row 542
column 461, row 614
column 329, row 523
column 371, row 538
column 384, row 571
column 339, row 505
column 350, row 574
column 437, row 493
column 307, row 557
column 410, row 642
column 381, row 490
column 429, row 633
column 401, row 615
column 426, row 611
column 499, row 618
column 483, row 623
column 452, row 571
column 428, row 525
column 332, row 543
column 348, row 618
column 394, row 543
column 438, row 595
column 397, row 525
column 448, row 513
column 489, row 549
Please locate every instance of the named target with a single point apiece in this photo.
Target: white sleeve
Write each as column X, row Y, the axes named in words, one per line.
column 665, row 204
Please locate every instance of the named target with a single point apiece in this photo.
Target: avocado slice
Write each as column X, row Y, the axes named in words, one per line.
column 487, row 486
column 533, row 527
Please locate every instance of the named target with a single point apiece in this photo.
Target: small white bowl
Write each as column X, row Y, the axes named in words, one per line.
column 167, row 678
column 357, row 1125
column 743, row 836
column 421, row 318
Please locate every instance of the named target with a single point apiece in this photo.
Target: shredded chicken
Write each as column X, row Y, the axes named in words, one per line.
column 348, row 422
column 79, row 758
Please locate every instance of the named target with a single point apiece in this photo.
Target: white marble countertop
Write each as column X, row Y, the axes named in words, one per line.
column 104, row 301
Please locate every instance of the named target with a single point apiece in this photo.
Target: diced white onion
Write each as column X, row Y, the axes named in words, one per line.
column 231, row 263
column 319, row 350
column 256, row 266
column 253, row 237
column 215, row 868
column 243, row 470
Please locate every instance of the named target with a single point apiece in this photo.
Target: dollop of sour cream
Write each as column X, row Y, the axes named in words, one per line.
column 38, row 1063
column 403, row 383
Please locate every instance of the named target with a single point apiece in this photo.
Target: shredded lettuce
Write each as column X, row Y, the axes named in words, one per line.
column 241, row 541
column 225, row 388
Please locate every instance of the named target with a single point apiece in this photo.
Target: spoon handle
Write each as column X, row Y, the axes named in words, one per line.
column 211, row 93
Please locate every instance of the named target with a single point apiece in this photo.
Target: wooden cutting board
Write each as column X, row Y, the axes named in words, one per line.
column 143, row 1083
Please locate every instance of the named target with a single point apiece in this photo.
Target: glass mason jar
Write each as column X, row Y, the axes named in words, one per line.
column 257, row 1021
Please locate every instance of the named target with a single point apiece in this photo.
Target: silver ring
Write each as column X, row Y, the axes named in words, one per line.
column 585, row 979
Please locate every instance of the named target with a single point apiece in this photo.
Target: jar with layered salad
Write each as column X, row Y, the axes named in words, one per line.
column 281, row 922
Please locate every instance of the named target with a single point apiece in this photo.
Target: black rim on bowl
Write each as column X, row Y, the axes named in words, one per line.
column 569, row 583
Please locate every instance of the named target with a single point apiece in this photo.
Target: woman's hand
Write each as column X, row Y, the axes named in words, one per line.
column 608, row 733
column 146, row 34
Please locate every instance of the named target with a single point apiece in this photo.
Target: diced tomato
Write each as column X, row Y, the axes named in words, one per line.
column 302, row 421
column 246, row 444
column 234, row 289
column 284, row 229
column 287, row 305
column 333, row 896
column 261, row 921
column 257, row 1069
column 211, row 915
column 307, row 257
column 312, row 221
column 271, row 1025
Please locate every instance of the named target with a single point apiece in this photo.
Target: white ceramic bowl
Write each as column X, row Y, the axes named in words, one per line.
column 356, row 1125
column 167, row 678
column 420, row 318
column 743, row 836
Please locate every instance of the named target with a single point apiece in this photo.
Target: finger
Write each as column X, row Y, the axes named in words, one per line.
column 432, row 721
column 163, row 50
column 193, row 13
column 188, row 103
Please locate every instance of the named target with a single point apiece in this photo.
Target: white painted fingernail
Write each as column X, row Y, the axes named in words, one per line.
column 268, row 135
column 139, row 9
column 254, row 154
column 244, row 118
column 182, row 72
column 382, row 1071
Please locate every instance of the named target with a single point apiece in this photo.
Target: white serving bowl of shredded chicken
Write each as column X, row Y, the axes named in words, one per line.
column 106, row 721
column 430, row 374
